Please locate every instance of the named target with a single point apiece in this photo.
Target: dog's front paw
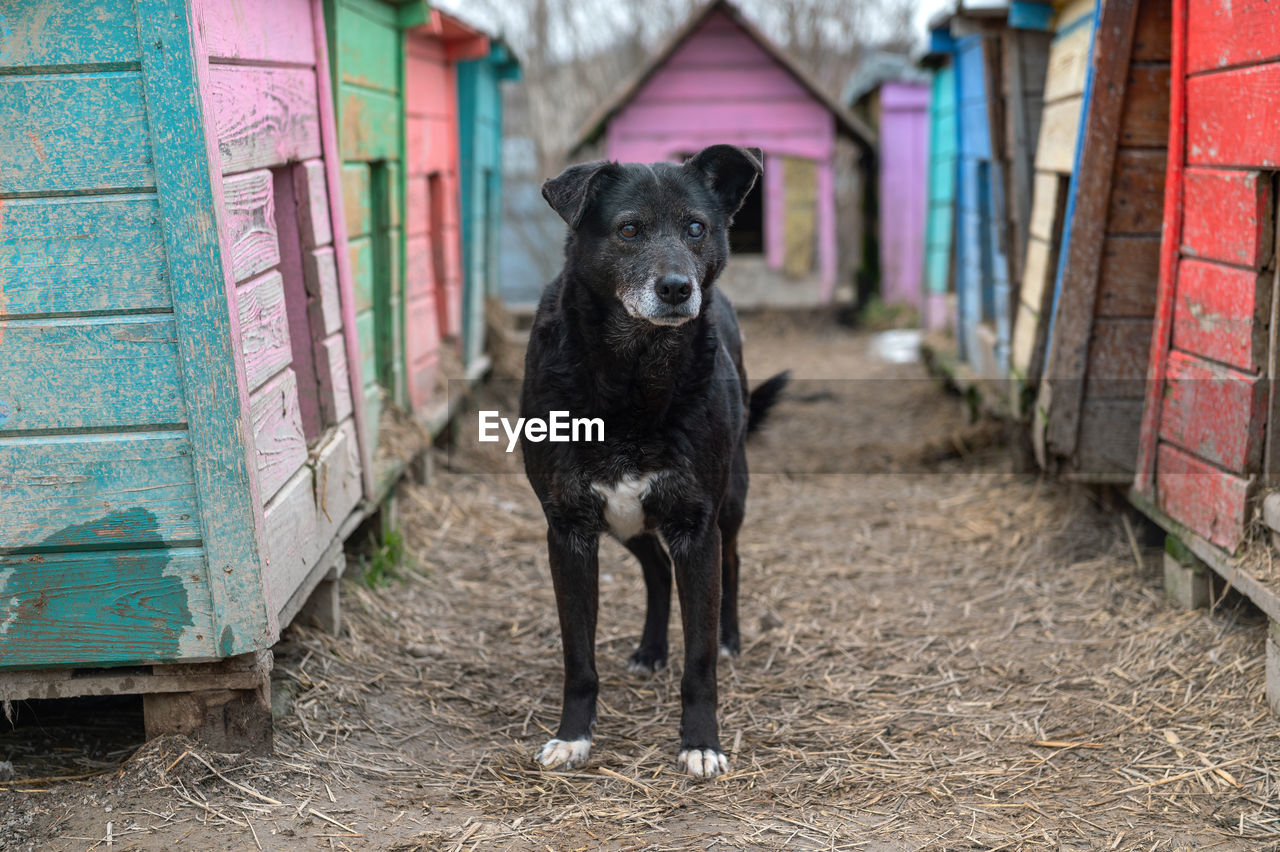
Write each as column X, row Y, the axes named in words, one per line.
column 563, row 754
column 647, row 661
column 703, row 762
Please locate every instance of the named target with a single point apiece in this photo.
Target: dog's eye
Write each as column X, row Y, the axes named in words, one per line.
column 696, row 230
column 628, row 231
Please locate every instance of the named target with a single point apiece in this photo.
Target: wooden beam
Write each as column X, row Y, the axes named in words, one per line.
column 1073, row 324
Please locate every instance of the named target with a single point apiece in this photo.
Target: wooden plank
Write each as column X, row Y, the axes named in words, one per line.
column 333, row 379
column 370, row 124
column 278, row 440
column 364, row 431
column 1044, row 205
column 304, row 517
column 80, row 255
column 251, row 223
column 98, row 491
column 1137, row 192
column 301, row 335
column 1221, row 313
column 368, row 49
column 121, row 606
column 264, row 328
column 1146, row 107
column 1068, row 64
column 1233, row 118
column 1059, row 127
column 312, row 194
column 257, row 30
column 74, row 132
column 1099, row 167
column 43, row 33
column 362, row 273
column 1108, row 439
column 90, row 373
column 1214, row 412
column 190, row 193
column 368, row 358
column 1166, row 291
column 1211, row 502
column 264, row 116
column 247, row 672
column 1242, row 32
column 355, row 199
column 1117, row 363
column 320, row 272
column 1127, row 282
column 1152, row 39
column 1228, row 217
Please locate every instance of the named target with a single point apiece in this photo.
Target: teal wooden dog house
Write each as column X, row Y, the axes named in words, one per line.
column 180, row 458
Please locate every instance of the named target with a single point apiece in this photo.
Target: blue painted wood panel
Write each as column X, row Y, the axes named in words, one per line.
column 89, row 373
column 39, row 33
column 982, row 284
column 82, row 255
column 939, row 227
column 78, row 132
column 94, row 491
column 132, row 606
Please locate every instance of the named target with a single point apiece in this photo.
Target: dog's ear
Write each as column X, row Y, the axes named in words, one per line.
column 729, row 171
column 570, row 192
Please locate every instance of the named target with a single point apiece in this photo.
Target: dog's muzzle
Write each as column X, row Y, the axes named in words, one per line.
column 668, row 300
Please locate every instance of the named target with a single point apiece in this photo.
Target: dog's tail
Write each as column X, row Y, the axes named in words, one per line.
column 763, row 399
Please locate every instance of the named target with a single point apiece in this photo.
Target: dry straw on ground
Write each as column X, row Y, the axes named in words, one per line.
column 942, row 655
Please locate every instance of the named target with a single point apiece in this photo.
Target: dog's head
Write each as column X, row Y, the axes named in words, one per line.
column 653, row 237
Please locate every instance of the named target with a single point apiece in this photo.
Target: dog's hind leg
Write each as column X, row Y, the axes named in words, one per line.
column 575, row 576
column 732, row 512
column 651, row 655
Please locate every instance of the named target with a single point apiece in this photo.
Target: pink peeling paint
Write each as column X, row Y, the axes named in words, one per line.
column 721, row 86
column 904, row 131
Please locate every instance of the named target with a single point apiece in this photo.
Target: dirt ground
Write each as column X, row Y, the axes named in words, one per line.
column 937, row 654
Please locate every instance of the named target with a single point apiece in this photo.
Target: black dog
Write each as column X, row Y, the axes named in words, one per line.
column 633, row 332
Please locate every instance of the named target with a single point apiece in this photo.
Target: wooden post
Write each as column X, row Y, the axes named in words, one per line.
column 1188, row 583
column 1273, row 666
column 227, row 720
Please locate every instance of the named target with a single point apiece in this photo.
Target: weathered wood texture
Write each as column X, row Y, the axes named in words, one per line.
column 264, row 328
column 940, row 215
column 1205, row 420
column 1102, row 319
column 1067, row 68
column 251, row 222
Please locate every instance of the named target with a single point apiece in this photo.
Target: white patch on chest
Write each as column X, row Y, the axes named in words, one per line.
column 623, row 511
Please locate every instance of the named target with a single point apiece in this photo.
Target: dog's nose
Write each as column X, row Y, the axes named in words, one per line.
column 674, row 289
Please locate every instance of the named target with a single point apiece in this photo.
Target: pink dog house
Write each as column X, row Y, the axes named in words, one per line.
column 719, row 79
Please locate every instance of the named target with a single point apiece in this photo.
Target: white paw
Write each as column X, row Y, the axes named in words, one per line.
column 703, row 763
column 644, row 668
column 565, row 754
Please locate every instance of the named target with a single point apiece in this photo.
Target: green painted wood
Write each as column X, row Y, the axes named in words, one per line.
column 366, row 326
column 81, row 255
column 370, row 124
column 94, row 491
column 368, row 49
column 136, row 606
column 89, row 373
column 43, row 33
column 49, row 150
column 356, row 201
column 217, row 399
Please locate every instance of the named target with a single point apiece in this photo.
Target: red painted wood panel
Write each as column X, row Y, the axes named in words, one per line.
column 1221, row 313
column 1228, row 217
column 419, row 279
column 1211, row 502
column 422, row 350
column 1214, row 412
column 1233, row 117
column 1238, row 32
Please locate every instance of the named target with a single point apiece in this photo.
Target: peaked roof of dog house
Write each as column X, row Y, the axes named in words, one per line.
column 594, row 126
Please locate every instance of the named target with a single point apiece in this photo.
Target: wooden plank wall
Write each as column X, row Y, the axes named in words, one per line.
column 1068, row 65
column 982, row 280
column 939, row 221
column 107, row 561
column 1119, row 340
column 1209, row 453
column 366, row 57
column 265, row 107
